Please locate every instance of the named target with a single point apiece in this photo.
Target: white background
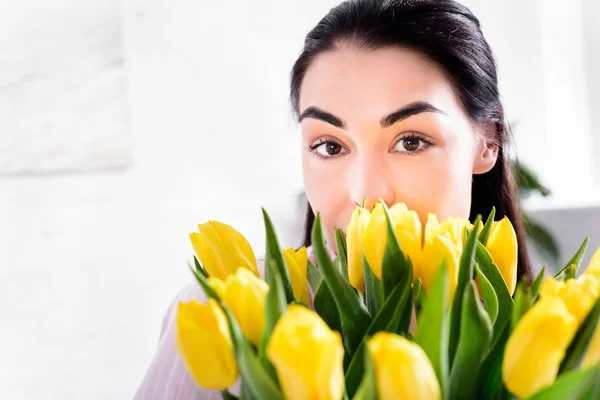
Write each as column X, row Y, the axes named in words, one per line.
column 90, row 259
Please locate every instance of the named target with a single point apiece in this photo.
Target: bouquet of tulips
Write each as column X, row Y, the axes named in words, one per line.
column 393, row 314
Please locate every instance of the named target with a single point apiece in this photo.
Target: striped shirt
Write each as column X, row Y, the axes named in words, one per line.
column 167, row 377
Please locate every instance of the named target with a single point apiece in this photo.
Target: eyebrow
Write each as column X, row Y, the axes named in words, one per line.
column 409, row 110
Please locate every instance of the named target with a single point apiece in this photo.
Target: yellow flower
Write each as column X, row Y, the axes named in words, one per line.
column 592, row 355
column 204, row 343
column 443, row 242
column 579, row 295
column 503, row 247
column 402, row 369
column 297, row 263
column 354, row 242
column 537, row 346
column 307, row 356
column 367, row 233
column 222, row 250
column 245, row 295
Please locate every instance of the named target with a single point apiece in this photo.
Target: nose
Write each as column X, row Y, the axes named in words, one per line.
column 370, row 183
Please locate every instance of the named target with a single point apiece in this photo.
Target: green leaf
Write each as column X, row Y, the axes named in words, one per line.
column 208, row 290
column 580, row 384
column 432, row 333
column 419, row 297
column 225, row 395
column 570, row 269
column 395, row 264
column 340, row 244
column 254, row 375
column 537, row 283
column 367, row 389
column 490, row 300
column 400, row 321
column 314, row 277
column 200, row 268
column 485, row 232
column 522, row 304
column 326, row 308
column 354, row 316
column 475, row 336
column 492, row 273
column 582, row 339
column 275, row 307
column 373, row 289
column 490, row 379
column 245, row 392
column 394, row 306
column 274, row 252
column 465, row 274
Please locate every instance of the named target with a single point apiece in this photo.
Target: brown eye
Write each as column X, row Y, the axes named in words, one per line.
column 411, row 144
column 328, row 149
column 332, row 148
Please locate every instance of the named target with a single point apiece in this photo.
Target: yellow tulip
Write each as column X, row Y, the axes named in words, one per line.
column 537, row 346
column 354, row 242
column 503, row 247
column 218, row 285
column 297, row 263
column 408, row 231
column 407, row 227
column 307, row 356
column 443, row 242
column 245, row 295
column 367, row 233
column 204, row 343
column 592, row 355
column 222, row 250
column 402, row 369
column 579, row 295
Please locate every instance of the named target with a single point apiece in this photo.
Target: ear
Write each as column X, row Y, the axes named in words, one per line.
column 486, row 153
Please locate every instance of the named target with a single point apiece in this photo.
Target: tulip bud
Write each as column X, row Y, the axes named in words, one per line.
column 443, row 242
column 402, row 369
column 537, row 346
column 297, row 263
column 579, row 295
column 307, row 356
column 204, row 343
column 354, row 242
column 222, row 250
column 245, row 295
column 367, row 233
column 503, row 247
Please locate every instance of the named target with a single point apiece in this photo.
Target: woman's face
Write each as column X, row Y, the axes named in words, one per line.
column 386, row 124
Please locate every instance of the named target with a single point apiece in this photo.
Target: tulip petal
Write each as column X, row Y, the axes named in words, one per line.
column 536, row 347
column 402, row 369
column 202, row 338
column 503, row 247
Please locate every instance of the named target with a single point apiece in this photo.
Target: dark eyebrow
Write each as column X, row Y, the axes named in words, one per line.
column 317, row 113
column 409, row 110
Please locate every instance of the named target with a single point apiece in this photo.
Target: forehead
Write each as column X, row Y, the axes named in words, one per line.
column 349, row 81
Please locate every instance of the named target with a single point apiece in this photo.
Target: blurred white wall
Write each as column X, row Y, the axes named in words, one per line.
column 90, row 261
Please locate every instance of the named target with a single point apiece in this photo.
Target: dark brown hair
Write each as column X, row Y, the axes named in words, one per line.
column 450, row 35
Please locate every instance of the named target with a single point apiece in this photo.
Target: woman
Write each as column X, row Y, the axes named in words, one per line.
column 397, row 100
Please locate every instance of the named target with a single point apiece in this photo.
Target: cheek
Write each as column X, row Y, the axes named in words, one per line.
column 325, row 189
column 439, row 185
